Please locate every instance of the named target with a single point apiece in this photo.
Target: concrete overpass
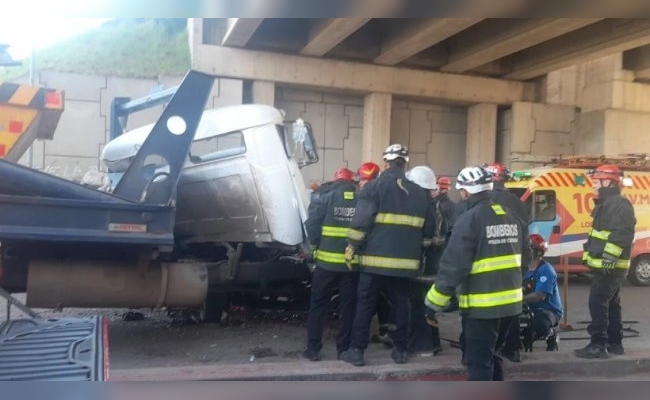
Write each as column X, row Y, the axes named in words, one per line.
column 455, row 90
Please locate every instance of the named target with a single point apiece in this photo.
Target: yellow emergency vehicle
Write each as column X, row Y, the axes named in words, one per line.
column 560, row 198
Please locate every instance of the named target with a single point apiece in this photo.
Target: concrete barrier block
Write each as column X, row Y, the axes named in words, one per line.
column 400, row 130
column 315, row 114
column 355, row 116
column 352, row 148
column 590, row 132
column 336, row 125
column 76, row 86
column 420, row 130
column 80, row 131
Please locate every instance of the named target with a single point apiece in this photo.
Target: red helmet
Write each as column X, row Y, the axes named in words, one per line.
column 444, row 183
column 538, row 245
column 607, row 171
column 368, row 171
column 343, row 174
column 498, row 171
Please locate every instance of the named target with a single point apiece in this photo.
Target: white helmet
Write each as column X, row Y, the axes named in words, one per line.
column 395, row 151
column 423, row 176
column 474, row 179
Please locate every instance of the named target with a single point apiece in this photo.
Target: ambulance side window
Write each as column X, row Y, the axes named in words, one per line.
column 544, row 205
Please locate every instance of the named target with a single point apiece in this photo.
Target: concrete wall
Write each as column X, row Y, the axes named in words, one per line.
column 530, row 134
column 434, row 134
column 84, row 126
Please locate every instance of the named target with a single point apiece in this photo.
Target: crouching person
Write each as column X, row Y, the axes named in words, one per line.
column 542, row 298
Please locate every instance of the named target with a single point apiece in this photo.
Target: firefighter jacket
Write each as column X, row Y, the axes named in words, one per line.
column 327, row 225
column 481, row 262
column 445, row 215
column 502, row 196
column 393, row 219
column 612, row 230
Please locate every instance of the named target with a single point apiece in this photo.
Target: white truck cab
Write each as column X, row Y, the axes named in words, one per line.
column 241, row 199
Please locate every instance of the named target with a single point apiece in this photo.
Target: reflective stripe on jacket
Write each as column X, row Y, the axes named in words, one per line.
column 328, row 223
column 482, row 262
column 612, row 230
column 392, row 218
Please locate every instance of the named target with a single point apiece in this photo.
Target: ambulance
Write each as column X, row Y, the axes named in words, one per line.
column 560, row 200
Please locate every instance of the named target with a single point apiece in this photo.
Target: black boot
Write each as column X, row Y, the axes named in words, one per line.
column 592, row 350
column 615, row 348
column 400, row 357
column 311, row 355
column 552, row 341
column 353, row 356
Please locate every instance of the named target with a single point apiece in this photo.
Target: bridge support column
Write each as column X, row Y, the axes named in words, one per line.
column 481, row 134
column 376, row 126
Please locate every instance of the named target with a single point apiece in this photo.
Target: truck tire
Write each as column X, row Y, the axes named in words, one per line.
column 216, row 304
column 639, row 274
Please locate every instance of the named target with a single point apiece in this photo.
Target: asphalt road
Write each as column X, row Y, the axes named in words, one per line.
column 254, row 336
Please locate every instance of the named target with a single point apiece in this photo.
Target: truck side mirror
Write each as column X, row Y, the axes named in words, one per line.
column 303, row 136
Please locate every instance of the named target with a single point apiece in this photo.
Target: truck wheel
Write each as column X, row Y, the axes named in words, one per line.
column 216, row 305
column 639, row 274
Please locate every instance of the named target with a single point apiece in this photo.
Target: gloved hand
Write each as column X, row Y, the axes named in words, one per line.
column 609, row 263
column 430, row 316
column 349, row 256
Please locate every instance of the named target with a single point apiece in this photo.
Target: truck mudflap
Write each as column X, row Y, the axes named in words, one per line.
column 66, row 349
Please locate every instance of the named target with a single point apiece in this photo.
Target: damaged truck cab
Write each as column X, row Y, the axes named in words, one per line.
column 203, row 204
column 241, row 200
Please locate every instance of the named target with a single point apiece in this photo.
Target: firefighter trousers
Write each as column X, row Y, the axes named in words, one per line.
column 322, row 284
column 605, row 308
column 367, row 294
column 483, row 338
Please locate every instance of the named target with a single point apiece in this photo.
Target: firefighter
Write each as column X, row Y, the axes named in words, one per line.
column 388, row 230
column 445, row 209
column 423, row 339
column 607, row 253
column 340, row 174
column 543, row 304
column 329, row 218
column 367, row 172
column 501, row 195
column 481, row 263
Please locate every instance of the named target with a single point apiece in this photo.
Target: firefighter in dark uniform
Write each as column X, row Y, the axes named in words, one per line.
column 423, row 339
column 445, row 210
column 607, row 252
column 502, row 196
column 388, row 231
column 482, row 265
column 330, row 214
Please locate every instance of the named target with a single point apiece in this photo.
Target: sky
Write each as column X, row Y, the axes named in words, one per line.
column 21, row 34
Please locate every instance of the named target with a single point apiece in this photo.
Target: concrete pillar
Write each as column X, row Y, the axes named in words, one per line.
column 481, row 134
column 195, row 34
column 376, row 126
column 263, row 92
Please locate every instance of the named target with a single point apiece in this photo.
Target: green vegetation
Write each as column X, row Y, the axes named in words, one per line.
column 138, row 48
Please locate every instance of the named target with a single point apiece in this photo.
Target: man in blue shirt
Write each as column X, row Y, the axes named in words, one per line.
column 542, row 296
